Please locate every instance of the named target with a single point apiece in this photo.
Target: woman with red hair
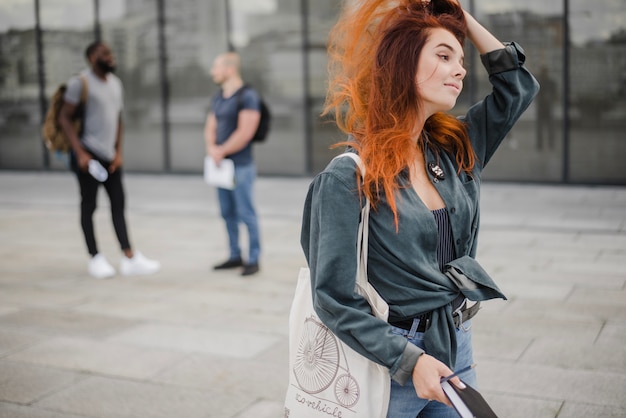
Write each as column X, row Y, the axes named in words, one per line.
column 396, row 68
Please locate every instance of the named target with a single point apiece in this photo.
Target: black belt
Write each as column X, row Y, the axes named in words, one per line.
column 424, row 319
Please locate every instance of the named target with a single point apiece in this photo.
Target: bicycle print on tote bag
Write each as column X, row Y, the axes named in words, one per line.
column 326, row 377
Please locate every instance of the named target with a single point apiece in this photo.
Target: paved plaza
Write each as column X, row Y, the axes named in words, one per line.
column 189, row 342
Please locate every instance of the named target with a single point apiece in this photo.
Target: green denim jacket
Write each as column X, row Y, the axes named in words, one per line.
column 402, row 265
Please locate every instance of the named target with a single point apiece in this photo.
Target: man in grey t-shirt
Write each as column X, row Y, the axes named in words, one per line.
column 102, row 118
column 99, row 146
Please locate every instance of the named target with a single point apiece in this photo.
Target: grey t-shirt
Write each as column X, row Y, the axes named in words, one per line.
column 104, row 105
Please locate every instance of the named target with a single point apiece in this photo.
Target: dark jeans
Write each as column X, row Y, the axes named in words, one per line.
column 89, row 192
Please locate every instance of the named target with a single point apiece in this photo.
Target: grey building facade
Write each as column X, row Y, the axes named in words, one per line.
column 573, row 132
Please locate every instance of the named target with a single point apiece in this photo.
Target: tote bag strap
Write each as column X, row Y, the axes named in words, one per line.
column 380, row 309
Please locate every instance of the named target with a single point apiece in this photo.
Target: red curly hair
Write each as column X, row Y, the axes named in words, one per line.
column 374, row 50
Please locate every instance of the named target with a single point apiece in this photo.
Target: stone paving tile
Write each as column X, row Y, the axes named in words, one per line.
column 493, row 347
column 492, row 220
column 612, row 256
column 225, row 342
column 576, row 354
column 275, row 323
column 100, row 397
column 534, row 324
column 614, row 332
column 538, row 253
column 94, row 356
column 228, row 299
column 153, row 309
column 616, row 298
column 205, row 304
column 530, row 278
column 587, row 225
column 15, row 340
column 7, row 309
column 586, row 410
column 260, row 379
column 568, row 311
column 24, row 384
column 511, row 406
column 591, row 269
column 263, row 409
column 613, row 241
column 552, row 383
column 8, row 410
column 41, row 297
column 65, row 322
column 495, row 237
column 536, row 290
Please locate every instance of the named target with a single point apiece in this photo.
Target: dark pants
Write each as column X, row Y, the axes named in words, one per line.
column 89, row 192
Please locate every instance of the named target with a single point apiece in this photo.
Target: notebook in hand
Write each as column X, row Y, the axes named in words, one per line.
column 468, row 402
column 222, row 175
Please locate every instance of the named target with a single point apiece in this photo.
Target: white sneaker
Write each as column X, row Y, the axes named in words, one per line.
column 100, row 268
column 138, row 265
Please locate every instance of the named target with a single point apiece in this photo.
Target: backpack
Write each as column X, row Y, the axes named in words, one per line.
column 266, row 117
column 52, row 131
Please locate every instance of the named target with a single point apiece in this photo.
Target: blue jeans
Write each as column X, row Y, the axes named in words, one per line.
column 237, row 206
column 404, row 402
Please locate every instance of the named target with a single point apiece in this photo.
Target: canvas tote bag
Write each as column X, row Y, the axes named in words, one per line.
column 326, row 377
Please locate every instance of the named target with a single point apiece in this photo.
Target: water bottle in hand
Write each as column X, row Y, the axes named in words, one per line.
column 98, row 171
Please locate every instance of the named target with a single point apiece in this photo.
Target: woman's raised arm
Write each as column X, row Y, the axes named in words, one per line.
column 482, row 39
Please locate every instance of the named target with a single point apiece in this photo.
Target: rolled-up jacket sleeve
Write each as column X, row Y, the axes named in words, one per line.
column 329, row 232
column 514, row 88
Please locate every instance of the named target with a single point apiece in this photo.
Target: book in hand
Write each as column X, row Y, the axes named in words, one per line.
column 468, row 402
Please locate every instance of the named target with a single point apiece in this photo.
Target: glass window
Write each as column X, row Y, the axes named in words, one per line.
column 20, row 113
column 321, row 18
column 598, row 91
column 196, row 34
column 130, row 28
column 285, row 67
column 64, row 41
column 533, row 150
column 268, row 36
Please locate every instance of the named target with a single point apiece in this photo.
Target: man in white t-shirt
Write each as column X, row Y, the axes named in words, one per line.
column 96, row 157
